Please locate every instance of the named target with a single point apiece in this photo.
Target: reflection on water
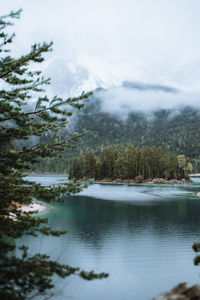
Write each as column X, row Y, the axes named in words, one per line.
column 143, row 240
column 131, row 193
column 47, row 180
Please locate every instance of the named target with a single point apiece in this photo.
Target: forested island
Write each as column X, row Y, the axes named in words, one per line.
column 130, row 163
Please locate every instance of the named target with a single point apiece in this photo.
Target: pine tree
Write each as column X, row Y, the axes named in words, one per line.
column 120, row 166
column 25, row 276
column 90, row 164
column 76, row 170
column 130, row 161
column 107, row 161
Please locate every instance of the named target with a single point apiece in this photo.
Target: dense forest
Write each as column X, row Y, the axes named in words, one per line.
column 174, row 130
column 129, row 163
column 178, row 129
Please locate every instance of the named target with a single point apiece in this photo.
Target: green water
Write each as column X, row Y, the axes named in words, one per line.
column 140, row 235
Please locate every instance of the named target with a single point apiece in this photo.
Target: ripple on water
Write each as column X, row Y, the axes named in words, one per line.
column 142, row 236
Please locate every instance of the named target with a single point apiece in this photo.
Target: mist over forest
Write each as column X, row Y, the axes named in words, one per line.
column 177, row 129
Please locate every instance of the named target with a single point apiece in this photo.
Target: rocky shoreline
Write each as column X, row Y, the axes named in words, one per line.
column 33, row 206
column 154, row 181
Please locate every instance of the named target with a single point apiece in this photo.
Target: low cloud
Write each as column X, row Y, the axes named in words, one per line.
column 122, row 100
column 148, row 87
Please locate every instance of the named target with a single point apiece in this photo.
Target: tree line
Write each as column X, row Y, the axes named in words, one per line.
column 128, row 162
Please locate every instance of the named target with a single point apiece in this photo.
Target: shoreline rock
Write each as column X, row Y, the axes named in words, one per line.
column 155, row 181
column 182, row 291
column 33, row 206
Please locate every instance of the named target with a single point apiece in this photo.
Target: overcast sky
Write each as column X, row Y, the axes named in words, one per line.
column 150, row 41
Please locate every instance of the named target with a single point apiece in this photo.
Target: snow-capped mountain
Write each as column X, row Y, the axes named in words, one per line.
column 70, row 76
column 126, row 84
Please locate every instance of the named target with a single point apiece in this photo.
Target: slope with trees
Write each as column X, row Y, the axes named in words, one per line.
column 174, row 130
column 177, row 129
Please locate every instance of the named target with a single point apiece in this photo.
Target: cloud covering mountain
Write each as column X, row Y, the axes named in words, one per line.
column 143, row 54
column 122, row 94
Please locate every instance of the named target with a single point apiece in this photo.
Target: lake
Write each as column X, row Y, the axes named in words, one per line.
column 141, row 235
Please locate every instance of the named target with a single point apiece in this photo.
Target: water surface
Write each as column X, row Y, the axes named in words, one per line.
column 140, row 235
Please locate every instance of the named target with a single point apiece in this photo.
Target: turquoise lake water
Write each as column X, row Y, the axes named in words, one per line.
column 141, row 235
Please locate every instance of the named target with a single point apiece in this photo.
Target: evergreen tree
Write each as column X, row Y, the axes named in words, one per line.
column 77, row 170
column 27, row 276
column 138, row 155
column 119, row 166
column 90, row 164
column 130, row 161
column 107, row 161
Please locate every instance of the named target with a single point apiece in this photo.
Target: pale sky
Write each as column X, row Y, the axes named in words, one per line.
column 149, row 41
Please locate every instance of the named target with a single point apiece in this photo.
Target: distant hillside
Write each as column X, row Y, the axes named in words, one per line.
column 178, row 130
column 174, row 130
